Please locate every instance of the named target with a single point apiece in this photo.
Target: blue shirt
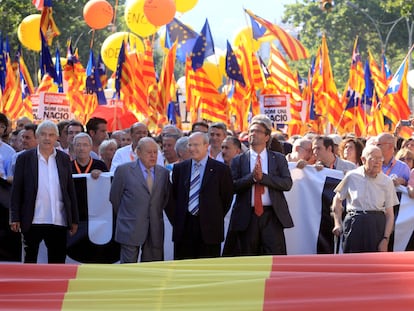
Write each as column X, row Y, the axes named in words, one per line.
column 144, row 170
column 398, row 168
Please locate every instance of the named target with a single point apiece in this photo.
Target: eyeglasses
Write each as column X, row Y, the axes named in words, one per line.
column 2, row 126
column 379, row 145
column 256, row 131
column 406, row 159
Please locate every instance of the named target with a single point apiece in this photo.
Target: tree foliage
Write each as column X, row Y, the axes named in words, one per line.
column 370, row 20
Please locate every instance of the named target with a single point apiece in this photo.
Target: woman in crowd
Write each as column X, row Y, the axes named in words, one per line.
column 351, row 149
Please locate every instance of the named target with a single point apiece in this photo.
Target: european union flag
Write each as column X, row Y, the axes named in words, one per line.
column 93, row 82
column 118, row 72
column 58, row 69
column 369, row 86
column 232, row 66
column 203, row 47
column 46, row 63
column 184, row 35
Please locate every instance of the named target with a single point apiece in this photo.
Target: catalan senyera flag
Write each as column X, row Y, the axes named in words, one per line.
column 166, row 81
column 282, row 80
column 353, row 117
column 12, row 95
column 292, row 46
column 326, row 98
column 239, row 283
column 212, row 104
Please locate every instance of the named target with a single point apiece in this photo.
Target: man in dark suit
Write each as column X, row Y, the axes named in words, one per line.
column 43, row 200
column 202, row 192
column 139, row 194
column 260, row 176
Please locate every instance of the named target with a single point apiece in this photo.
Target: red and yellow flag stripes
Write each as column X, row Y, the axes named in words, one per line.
column 370, row 281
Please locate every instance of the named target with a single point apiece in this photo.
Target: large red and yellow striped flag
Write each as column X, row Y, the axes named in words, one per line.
column 223, row 284
column 292, row 46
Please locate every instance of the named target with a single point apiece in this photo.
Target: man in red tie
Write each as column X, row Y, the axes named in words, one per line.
column 260, row 176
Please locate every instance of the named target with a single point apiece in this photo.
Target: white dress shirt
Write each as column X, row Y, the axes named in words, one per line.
column 49, row 208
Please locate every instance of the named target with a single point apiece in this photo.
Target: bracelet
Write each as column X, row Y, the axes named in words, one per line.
column 385, row 238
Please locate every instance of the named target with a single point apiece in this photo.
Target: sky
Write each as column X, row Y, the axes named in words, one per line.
column 226, row 17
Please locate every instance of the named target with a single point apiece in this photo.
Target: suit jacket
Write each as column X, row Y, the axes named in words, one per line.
column 216, row 192
column 137, row 209
column 277, row 180
column 25, row 186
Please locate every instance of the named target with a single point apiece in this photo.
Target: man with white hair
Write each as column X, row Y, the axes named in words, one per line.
column 370, row 197
column 43, row 200
column 301, row 153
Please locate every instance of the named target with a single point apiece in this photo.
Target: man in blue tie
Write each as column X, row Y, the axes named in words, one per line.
column 202, row 192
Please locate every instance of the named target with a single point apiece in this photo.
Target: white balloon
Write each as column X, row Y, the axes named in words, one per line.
column 410, row 78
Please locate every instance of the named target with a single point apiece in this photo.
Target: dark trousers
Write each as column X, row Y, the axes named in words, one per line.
column 363, row 231
column 192, row 246
column 263, row 236
column 55, row 238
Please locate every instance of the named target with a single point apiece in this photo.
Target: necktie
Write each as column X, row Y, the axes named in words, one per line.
column 195, row 184
column 150, row 181
column 258, row 191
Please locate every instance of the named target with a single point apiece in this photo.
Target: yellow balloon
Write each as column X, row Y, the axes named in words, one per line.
column 214, row 73
column 136, row 20
column 112, row 45
column 28, row 32
column 185, row 5
column 245, row 37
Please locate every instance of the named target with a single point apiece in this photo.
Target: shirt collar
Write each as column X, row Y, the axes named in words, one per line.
column 53, row 155
column 202, row 162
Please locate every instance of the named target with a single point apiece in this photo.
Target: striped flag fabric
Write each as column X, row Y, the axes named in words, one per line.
column 354, row 118
column 240, row 283
column 292, row 46
column 38, row 4
column 395, row 101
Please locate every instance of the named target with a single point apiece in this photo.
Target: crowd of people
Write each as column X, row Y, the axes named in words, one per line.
column 196, row 178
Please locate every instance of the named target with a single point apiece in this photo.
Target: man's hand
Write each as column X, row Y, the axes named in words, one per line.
column 95, row 174
column 73, row 229
column 337, row 230
column 383, row 245
column 15, row 226
column 257, row 172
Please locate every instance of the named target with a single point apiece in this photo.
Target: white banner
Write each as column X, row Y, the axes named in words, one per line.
column 308, row 201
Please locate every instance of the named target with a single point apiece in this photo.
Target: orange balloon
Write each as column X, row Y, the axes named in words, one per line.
column 159, row 12
column 98, row 13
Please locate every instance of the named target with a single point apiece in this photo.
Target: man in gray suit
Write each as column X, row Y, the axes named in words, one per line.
column 139, row 194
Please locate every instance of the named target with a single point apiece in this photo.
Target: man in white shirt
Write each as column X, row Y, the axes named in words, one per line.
column 43, row 200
